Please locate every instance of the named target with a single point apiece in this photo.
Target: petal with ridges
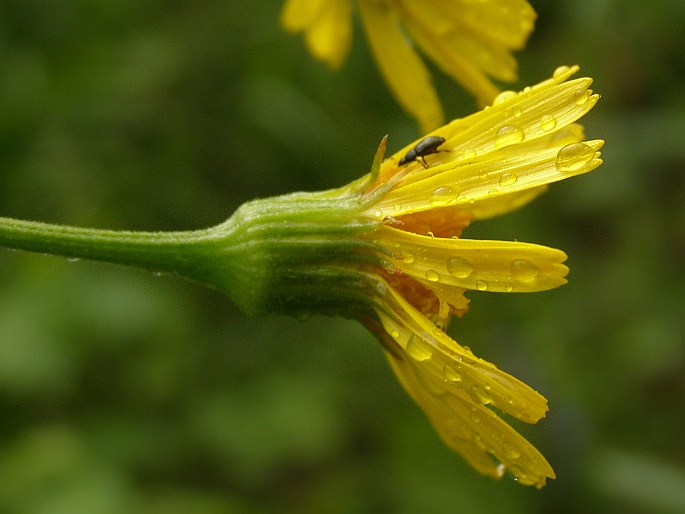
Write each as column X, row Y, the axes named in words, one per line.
column 499, row 266
column 453, row 367
column 474, row 431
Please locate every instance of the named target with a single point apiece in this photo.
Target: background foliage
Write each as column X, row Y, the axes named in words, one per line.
column 122, row 392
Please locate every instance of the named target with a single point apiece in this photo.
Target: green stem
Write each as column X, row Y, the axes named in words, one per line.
column 288, row 254
column 155, row 251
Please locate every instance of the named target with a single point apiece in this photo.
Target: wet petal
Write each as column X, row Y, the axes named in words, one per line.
column 401, row 66
column 465, row 375
column 499, row 266
column 488, row 443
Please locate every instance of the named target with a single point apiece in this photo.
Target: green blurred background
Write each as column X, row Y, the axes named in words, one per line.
column 122, row 392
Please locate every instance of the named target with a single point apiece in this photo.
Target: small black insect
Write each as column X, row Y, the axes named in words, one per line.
column 426, row 146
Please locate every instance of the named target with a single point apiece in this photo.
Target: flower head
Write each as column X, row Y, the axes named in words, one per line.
column 468, row 40
column 387, row 250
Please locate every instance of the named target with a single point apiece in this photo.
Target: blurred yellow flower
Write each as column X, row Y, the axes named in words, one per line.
column 477, row 167
column 469, row 40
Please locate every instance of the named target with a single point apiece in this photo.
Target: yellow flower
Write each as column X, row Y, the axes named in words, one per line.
column 468, row 40
column 387, row 250
column 477, row 167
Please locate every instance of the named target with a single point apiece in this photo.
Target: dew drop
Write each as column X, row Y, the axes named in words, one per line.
column 407, row 256
column 507, row 179
column 561, row 70
column 459, row 267
column 512, row 112
column 524, row 271
column 469, row 153
column 72, row 259
column 480, row 395
column 510, row 451
column 442, row 194
column 378, row 214
column 430, row 234
column 451, row 374
column 508, row 287
column 432, row 275
column 418, row 349
column 573, row 157
column 508, row 135
column 504, row 96
column 481, row 285
column 395, row 334
column 580, row 96
column 548, row 122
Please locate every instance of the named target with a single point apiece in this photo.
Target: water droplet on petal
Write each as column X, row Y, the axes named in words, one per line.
column 508, row 135
column 508, row 287
column 573, row 158
column 504, row 96
column 395, row 334
column 407, row 256
column 507, row 179
column 480, row 395
column 459, row 267
column 451, row 374
column 561, row 70
column 442, row 195
column 481, row 285
column 468, row 154
column 580, row 96
column 418, row 349
column 548, row 122
column 513, row 111
column 378, row 214
column 510, row 451
column 524, row 271
column 432, row 275
column 430, row 234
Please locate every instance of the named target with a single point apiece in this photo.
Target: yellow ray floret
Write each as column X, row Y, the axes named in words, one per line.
column 454, row 387
column 499, row 266
column 501, row 157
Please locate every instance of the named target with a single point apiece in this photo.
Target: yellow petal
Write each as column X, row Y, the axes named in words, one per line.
column 403, row 69
column 453, row 387
column 451, row 60
column 524, row 141
column 498, row 174
column 329, row 39
column 487, row 443
column 470, row 40
column 498, row 266
column 327, row 25
column 508, row 22
column 298, row 15
column 466, row 375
